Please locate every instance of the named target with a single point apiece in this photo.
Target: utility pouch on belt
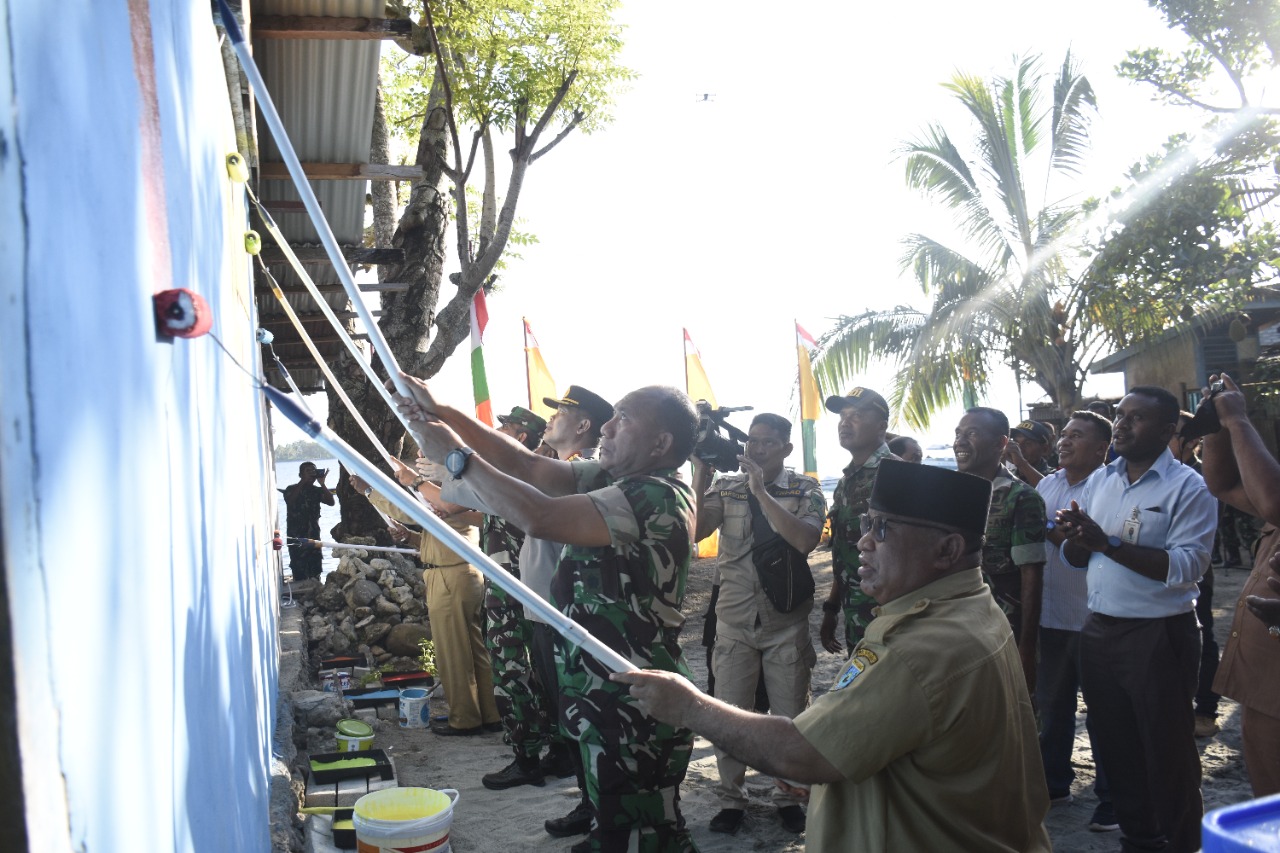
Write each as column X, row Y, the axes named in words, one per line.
column 784, row 572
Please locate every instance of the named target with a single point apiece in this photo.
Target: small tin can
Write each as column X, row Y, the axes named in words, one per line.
column 326, row 682
column 343, row 680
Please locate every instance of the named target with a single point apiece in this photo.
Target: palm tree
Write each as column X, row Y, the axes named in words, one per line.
column 996, row 293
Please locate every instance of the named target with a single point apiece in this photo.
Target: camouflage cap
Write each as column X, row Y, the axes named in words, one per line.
column 861, row 398
column 1033, row 430
column 597, row 408
column 522, row 417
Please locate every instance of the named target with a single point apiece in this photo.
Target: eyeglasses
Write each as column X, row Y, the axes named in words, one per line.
column 880, row 524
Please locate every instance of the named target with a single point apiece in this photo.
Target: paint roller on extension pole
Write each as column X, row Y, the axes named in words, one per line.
column 437, row 527
column 309, row 200
column 324, row 543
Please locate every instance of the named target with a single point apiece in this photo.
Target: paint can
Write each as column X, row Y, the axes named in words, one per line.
column 415, row 710
column 399, row 819
column 354, row 735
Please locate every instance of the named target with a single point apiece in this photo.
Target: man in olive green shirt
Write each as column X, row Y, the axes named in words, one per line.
column 927, row 740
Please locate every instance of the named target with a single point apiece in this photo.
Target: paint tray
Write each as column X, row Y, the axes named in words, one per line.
column 343, row 839
column 347, row 662
column 381, row 766
column 408, row 679
column 371, row 697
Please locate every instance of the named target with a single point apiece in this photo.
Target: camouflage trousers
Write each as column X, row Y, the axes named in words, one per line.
column 857, row 606
column 1007, row 590
column 634, row 764
column 507, row 636
column 633, row 778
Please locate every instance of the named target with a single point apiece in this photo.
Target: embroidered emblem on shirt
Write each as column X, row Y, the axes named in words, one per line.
column 862, row 658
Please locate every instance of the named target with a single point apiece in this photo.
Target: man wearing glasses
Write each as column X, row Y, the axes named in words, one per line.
column 927, row 740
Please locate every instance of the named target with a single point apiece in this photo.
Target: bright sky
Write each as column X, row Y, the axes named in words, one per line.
column 780, row 199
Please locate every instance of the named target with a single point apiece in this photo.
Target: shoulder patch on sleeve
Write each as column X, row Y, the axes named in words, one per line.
column 862, row 659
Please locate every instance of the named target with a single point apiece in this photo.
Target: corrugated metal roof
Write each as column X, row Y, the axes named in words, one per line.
column 324, row 91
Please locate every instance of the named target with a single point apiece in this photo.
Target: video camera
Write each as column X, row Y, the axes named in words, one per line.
column 712, row 447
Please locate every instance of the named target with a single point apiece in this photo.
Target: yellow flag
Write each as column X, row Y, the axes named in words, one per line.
column 696, row 383
column 698, row 387
column 541, row 384
column 810, row 402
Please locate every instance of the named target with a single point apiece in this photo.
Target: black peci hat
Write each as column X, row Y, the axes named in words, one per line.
column 937, row 495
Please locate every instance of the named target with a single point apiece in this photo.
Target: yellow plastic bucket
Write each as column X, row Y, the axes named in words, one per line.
column 404, row 820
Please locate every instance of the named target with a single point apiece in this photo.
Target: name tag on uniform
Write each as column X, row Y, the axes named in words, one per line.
column 1132, row 527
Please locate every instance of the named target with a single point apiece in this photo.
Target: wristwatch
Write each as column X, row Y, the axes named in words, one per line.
column 1113, row 542
column 456, row 462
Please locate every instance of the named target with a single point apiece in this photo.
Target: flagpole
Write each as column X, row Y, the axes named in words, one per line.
column 528, row 377
column 684, row 352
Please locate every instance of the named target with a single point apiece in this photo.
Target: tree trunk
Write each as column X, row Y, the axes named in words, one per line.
column 407, row 316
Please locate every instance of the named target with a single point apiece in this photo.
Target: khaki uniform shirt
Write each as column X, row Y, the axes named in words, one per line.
column 431, row 551
column 931, row 725
column 742, row 605
column 1252, row 656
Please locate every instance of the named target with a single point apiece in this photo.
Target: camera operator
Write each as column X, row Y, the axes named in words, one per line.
column 1241, row 472
column 302, row 518
column 754, row 636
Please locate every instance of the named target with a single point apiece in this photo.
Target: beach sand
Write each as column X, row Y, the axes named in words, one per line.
column 511, row 820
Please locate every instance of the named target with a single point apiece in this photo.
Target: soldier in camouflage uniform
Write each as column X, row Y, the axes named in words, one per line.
column 622, row 576
column 864, row 417
column 508, row 634
column 1013, row 556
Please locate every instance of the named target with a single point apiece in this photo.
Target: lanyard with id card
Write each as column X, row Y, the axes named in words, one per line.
column 1132, row 527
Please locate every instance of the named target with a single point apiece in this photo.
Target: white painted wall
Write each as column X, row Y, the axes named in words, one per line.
column 133, row 475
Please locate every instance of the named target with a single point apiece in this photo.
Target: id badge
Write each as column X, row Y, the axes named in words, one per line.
column 1132, row 528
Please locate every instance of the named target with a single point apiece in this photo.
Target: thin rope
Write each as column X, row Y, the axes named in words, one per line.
column 310, row 285
column 324, row 368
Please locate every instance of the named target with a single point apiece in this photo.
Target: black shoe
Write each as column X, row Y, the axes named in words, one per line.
column 792, row 818
column 557, row 763
column 1104, row 819
column 575, row 822
column 513, row 775
column 728, row 821
column 446, row 730
column 492, row 727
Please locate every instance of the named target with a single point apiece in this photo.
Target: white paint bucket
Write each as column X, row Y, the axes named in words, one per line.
column 404, row 819
column 415, row 710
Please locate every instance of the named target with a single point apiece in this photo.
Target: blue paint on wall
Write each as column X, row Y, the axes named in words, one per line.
column 146, row 605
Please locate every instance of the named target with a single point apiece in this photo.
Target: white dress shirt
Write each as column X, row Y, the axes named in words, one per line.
column 1173, row 511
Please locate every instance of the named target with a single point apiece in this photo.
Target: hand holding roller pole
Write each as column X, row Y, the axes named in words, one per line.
column 437, row 527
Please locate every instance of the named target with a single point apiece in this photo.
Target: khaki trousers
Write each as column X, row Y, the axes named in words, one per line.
column 454, row 597
column 787, row 658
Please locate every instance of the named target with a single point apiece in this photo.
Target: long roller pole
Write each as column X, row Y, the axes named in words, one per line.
column 436, row 526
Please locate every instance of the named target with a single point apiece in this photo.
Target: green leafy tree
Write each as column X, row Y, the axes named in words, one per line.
column 997, row 287
column 1205, row 240
column 531, row 71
